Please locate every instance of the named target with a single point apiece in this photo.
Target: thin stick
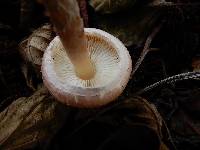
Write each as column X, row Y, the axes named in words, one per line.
column 172, row 79
column 66, row 18
column 146, row 48
column 169, row 4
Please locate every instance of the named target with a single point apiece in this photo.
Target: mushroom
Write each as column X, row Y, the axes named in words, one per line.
column 112, row 64
column 89, row 72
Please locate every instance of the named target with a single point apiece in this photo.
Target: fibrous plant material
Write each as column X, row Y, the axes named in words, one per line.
column 28, row 122
column 32, row 48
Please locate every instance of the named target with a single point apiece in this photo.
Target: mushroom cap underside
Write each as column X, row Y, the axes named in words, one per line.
column 112, row 65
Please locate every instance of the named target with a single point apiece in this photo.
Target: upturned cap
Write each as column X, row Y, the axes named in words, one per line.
column 112, row 64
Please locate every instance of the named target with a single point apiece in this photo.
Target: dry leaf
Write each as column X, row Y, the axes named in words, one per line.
column 32, row 121
column 33, row 47
column 111, row 6
column 131, row 123
column 136, row 111
column 31, row 50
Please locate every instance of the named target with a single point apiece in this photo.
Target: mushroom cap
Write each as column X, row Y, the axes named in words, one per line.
column 112, row 64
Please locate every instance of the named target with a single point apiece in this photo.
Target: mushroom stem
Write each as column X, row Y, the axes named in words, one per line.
column 66, row 18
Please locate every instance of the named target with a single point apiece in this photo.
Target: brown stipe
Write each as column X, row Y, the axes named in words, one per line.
column 66, row 18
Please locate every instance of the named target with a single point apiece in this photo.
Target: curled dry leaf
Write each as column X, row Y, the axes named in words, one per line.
column 138, row 112
column 32, row 75
column 29, row 122
column 109, row 126
column 33, row 47
column 31, row 50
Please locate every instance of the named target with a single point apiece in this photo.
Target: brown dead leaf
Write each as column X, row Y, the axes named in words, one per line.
column 196, row 64
column 32, row 48
column 29, row 122
column 125, row 125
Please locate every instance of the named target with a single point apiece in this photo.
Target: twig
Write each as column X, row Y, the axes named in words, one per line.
column 169, row 4
column 172, row 79
column 146, row 48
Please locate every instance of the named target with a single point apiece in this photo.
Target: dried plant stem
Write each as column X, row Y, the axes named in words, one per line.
column 146, row 48
column 172, row 79
column 66, row 18
column 169, row 4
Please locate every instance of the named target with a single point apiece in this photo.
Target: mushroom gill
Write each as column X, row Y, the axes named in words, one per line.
column 104, row 59
column 110, row 59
